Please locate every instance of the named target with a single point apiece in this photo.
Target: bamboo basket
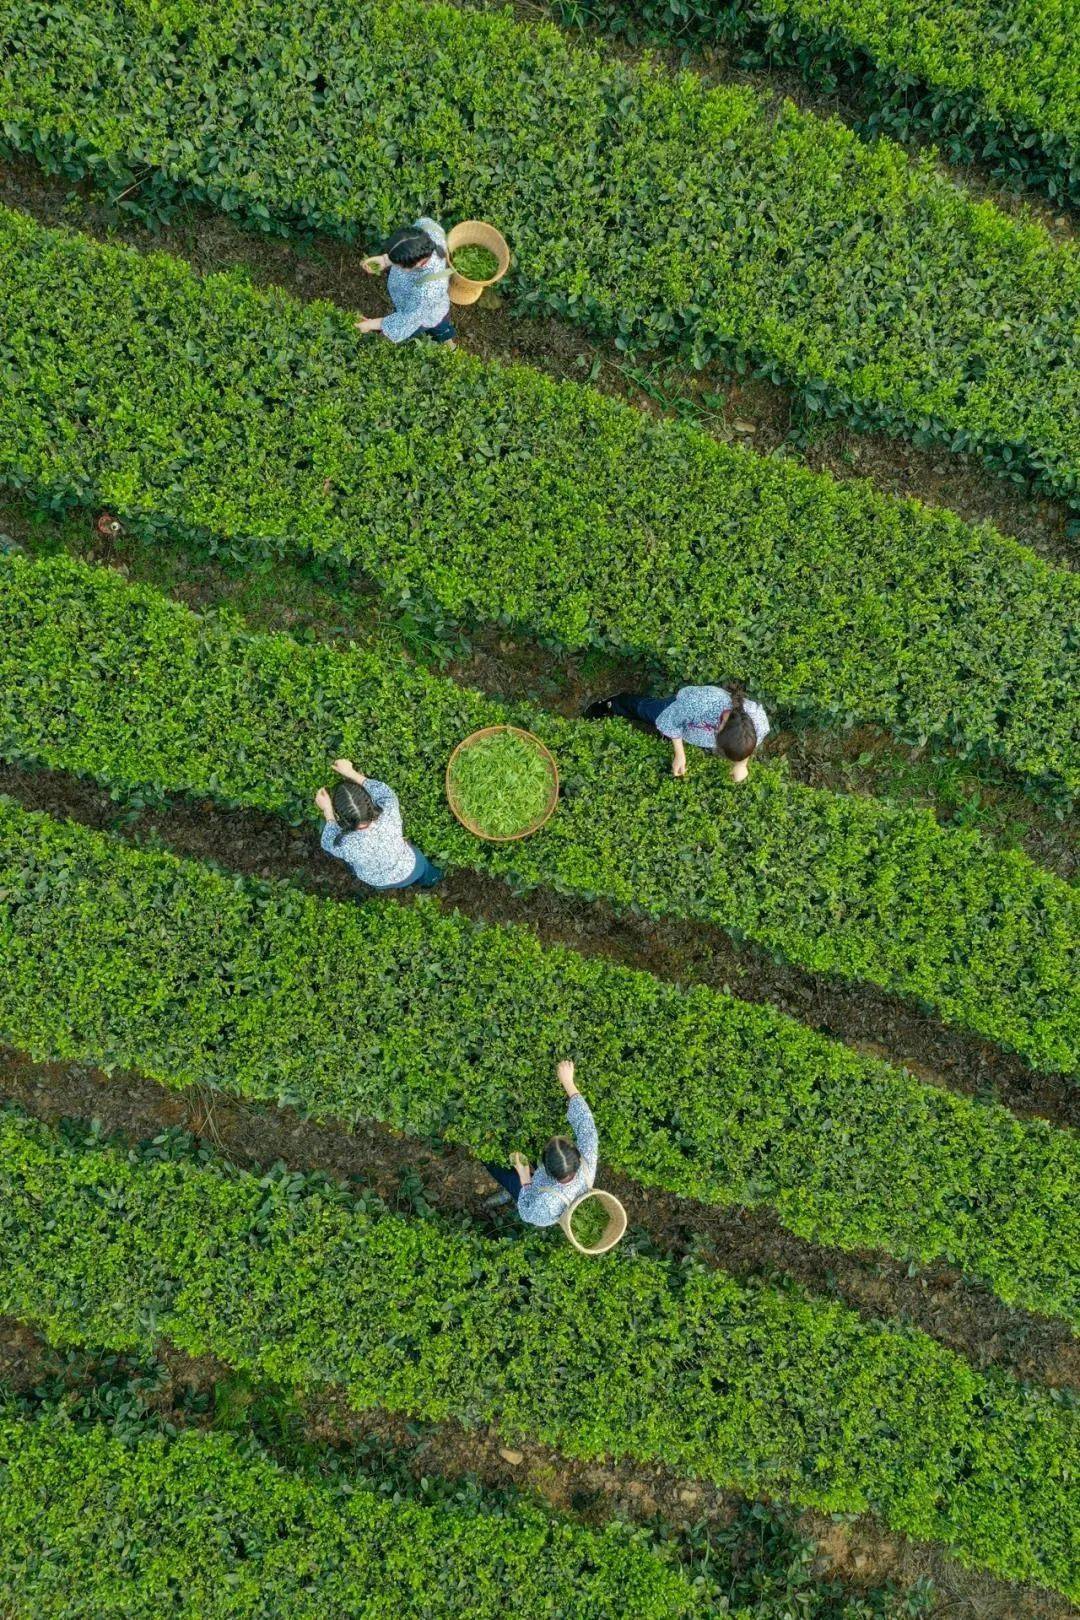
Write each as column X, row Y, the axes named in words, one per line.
column 475, row 233
column 616, row 1225
column 553, row 796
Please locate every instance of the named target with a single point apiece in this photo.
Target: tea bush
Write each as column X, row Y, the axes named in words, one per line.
column 988, row 86
column 248, row 420
column 437, row 1026
column 197, row 1525
column 288, row 1278
column 121, row 683
column 643, row 205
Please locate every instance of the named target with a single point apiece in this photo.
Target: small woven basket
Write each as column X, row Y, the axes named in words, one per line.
column 553, row 796
column 474, row 233
column 616, row 1225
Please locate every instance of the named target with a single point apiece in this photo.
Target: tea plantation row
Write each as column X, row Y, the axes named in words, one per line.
column 250, row 419
column 645, row 206
column 121, row 683
column 290, row 1279
column 199, row 1525
column 986, row 85
column 137, row 960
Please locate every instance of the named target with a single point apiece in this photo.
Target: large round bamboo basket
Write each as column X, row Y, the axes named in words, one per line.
column 616, row 1225
column 475, row 233
column 553, row 796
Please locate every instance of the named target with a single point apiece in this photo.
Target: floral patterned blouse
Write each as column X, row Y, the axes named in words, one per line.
column 544, row 1199
column 379, row 855
column 421, row 297
column 694, row 715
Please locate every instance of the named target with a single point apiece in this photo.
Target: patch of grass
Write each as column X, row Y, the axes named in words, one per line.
column 501, row 784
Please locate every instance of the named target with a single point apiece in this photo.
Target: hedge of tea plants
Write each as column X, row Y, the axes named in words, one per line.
column 199, row 1525
column 991, row 85
column 289, row 1278
column 123, row 684
column 643, row 205
column 249, row 420
column 435, row 1025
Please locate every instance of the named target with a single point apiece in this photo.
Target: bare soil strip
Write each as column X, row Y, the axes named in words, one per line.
column 414, row 1175
column 866, row 1018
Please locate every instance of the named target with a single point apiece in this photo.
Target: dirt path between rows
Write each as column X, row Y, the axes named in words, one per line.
column 313, row 600
column 412, row 1175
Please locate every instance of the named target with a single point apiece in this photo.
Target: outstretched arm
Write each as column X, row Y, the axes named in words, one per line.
column 581, row 1120
column 348, row 770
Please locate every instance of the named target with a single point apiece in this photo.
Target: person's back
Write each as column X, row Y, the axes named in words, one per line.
column 719, row 720
column 560, row 1179
column 568, row 1168
column 418, row 283
column 363, row 829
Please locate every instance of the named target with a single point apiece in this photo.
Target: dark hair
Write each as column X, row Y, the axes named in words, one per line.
column 738, row 737
column 353, row 806
column 561, row 1158
column 409, row 247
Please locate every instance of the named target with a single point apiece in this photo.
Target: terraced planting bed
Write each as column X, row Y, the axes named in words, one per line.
column 269, row 1345
column 849, row 606
column 862, row 278
column 994, row 88
column 779, row 1393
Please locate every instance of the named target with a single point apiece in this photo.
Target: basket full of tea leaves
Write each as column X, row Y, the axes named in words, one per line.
column 502, row 783
column 595, row 1223
column 479, row 256
column 476, row 264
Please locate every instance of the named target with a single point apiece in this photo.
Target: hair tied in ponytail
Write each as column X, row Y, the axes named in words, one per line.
column 737, row 737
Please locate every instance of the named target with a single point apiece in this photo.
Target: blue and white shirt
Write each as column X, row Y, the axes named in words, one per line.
column 544, row 1199
column 694, row 715
column 379, row 855
column 421, row 297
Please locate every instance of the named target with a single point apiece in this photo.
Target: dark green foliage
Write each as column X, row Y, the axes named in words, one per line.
column 646, row 206
column 437, row 1026
column 248, row 420
column 756, row 1556
column 125, row 685
column 988, row 84
column 200, row 1527
column 282, row 1276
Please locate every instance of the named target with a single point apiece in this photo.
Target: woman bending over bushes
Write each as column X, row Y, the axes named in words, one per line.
column 567, row 1170
column 722, row 720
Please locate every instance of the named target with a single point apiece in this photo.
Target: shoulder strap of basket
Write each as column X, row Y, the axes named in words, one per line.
column 438, row 275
